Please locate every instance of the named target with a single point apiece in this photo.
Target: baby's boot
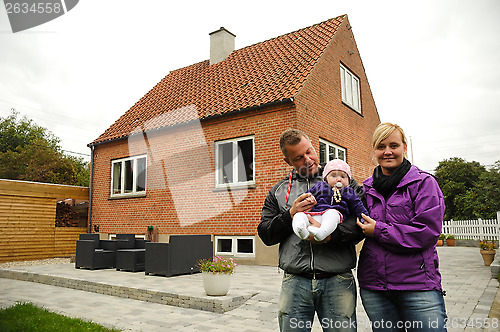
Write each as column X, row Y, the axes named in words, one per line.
column 318, row 233
column 299, row 225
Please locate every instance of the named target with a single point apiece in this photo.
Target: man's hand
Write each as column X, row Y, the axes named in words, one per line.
column 368, row 226
column 303, row 203
column 311, row 238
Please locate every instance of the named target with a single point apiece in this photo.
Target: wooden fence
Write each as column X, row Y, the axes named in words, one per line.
column 27, row 220
column 474, row 229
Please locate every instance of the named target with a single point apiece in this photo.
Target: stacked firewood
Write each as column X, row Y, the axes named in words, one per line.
column 65, row 216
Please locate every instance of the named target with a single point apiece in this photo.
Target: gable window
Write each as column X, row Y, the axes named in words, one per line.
column 350, row 89
column 329, row 151
column 128, row 176
column 234, row 162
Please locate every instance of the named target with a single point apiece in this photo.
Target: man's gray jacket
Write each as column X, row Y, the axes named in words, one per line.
column 300, row 256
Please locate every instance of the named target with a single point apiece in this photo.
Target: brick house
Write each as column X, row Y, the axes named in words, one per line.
column 199, row 152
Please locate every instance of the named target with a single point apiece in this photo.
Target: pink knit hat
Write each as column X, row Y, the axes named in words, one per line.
column 336, row 165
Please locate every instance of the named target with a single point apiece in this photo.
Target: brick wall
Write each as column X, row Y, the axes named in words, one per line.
column 181, row 195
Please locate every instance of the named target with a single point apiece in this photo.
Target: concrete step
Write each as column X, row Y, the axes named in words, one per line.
column 219, row 304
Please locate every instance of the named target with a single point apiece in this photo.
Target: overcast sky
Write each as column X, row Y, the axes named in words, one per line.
column 433, row 66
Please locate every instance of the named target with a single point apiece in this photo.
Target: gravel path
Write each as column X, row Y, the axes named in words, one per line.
column 48, row 261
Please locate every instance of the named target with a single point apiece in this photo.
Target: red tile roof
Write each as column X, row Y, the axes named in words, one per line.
column 262, row 73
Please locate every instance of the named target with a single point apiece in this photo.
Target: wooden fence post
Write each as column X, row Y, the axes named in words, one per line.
column 498, row 226
column 481, row 229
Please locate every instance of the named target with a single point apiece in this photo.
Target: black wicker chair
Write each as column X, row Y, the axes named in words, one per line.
column 130, row 255
column 93, row 253
column 179, row 256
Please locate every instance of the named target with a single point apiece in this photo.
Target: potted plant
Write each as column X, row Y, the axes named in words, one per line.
column 450, row 240
column 216, row 274
column 487, row 250
column 442, row 237
column 152, row 233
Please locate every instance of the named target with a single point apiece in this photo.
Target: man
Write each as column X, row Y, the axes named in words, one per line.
column 318, row 277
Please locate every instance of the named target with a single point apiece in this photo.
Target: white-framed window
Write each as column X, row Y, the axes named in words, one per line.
column 137, row 236
column 234, row 162
column 350, row 89
column 237, row 246
column 329, row 151
column 128, row 176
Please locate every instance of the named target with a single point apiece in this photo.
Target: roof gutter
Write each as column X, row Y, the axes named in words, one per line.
column 91, row 145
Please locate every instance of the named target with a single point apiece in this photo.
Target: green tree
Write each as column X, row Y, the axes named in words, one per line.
column 31, row 153
column 16, row 133
column 470, row 190
column 487, row 193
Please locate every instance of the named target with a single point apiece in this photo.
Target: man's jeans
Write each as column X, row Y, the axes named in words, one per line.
column 333, row 299
column 400, row 310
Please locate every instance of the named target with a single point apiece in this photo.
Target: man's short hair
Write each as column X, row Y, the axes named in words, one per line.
column 290, row 136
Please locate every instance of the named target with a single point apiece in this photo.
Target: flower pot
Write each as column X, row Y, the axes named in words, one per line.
column 450, row 242
column 440, row 243
column 216, row 284
column 488, row 256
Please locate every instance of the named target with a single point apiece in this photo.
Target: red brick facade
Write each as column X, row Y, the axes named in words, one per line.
column 181, row 197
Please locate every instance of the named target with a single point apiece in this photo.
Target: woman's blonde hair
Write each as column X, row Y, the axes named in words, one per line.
column 385, row 130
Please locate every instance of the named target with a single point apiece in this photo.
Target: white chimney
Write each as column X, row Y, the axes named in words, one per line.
column 221, row 45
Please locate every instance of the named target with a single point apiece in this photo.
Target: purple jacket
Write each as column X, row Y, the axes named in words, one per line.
column 349, row 204
column 402, row 254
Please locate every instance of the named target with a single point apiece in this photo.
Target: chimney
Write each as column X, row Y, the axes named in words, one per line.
column 221, row 45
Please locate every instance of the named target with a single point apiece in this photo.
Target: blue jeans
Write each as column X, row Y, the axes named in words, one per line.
column 333, row 299
column 404, row 310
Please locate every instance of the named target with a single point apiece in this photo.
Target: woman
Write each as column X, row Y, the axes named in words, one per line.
column 400, row 284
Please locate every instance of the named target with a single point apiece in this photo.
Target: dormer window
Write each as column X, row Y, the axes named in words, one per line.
column 350, row 89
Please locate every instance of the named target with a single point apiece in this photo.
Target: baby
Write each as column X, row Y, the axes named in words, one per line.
column 334, row 200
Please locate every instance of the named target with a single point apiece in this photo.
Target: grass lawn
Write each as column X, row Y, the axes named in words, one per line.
column 29, row 317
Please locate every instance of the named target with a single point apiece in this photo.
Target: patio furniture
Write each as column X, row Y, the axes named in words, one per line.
column 93, row 253
column 130, row 255
column 179, row 256
column 130, row 260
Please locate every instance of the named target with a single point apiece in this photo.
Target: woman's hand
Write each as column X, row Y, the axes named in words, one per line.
column 368, row 227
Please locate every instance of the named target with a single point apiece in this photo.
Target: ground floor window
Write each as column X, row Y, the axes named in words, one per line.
column 329, row 151
column 234, row 162
column 137, row 236
column 128, row 176
column 238, row 246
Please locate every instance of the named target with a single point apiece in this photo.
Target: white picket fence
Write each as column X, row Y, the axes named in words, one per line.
column 474, row 229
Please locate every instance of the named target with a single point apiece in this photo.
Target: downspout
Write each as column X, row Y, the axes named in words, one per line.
column 89, row 217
